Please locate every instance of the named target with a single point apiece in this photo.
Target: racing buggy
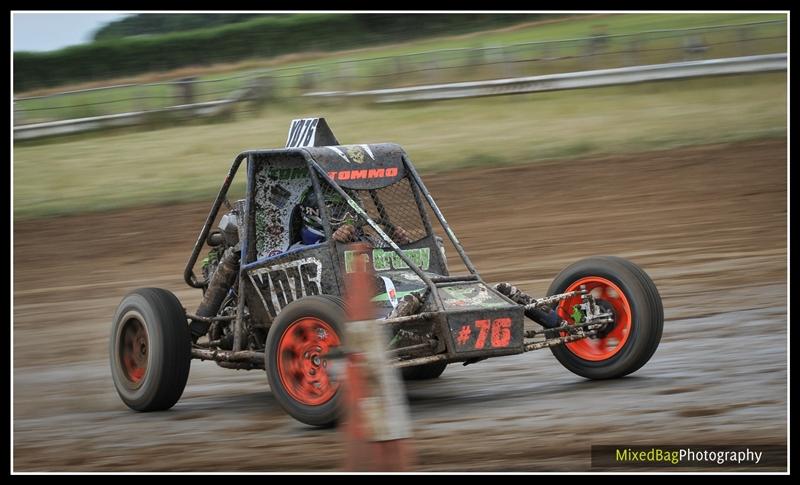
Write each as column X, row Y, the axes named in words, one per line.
column 272, row 295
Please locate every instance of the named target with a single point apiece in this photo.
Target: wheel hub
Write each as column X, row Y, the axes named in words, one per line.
column 611, row 337
column 605, row 307
column 302, row 365
column 133, row 350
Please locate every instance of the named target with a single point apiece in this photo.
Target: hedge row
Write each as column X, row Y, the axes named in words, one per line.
column 150, row 24
column 258, row 38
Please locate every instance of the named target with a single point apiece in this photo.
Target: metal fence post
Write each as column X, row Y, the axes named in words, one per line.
column 345, row 75
column 694, row 47
column 399, row 66
column 633, row 51
column 308, row 80
column 139, row 103
column 742, row 39
column 185, row 90
column 508, row 61
column 431, row 68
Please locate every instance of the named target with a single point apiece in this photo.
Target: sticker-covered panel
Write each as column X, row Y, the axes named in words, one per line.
column 361, row 166
column 388, row 259
column 470, row 296
column 310, row 132
column 392, row 286
column 477, row 333
column 280, row 186
column 299, row 274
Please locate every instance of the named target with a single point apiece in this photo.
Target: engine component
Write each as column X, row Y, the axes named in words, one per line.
column 229, row 225
column 215, row 238
column 221, row 281
column 408, row 305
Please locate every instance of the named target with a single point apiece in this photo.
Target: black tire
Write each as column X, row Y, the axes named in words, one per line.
column 150, row 350
column 328, row 310
column 655, row 299
column 338, row 300
column 646, row 317
column 423, row 372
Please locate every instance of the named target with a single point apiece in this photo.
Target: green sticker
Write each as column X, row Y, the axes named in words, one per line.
column 577, row 314
column 291, row 173
column 386, row 260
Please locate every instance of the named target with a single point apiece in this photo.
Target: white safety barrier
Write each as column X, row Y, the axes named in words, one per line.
column 572, row 80
column 65, row 127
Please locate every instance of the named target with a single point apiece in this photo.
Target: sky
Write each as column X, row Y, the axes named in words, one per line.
column 50, row 31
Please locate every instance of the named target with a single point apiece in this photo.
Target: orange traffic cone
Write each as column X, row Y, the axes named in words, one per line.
column 376, row 419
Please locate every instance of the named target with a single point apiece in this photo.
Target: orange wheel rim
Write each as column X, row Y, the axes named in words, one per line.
column 302, row 361
column 599, row 349
column 133, row 350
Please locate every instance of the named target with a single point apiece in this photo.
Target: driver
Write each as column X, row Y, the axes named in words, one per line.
column 343, row 221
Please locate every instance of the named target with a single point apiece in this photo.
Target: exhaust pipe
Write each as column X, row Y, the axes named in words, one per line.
column 221, row 282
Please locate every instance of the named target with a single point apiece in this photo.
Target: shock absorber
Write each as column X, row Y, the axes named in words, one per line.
column 221, row 282
column 547, row 319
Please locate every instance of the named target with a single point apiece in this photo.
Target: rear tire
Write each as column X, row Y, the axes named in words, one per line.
column 639, row 313
column 298, row 342
column 424, row 371
column 150, row 350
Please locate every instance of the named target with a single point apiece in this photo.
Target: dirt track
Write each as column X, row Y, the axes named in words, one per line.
column 708, row 224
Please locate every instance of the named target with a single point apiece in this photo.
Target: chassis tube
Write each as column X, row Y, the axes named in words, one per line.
column 432, row 203
column 410, row 318
column 188, row 273
column 373, row 224
column 229, row 356
column 399, row 364
column 454, row 279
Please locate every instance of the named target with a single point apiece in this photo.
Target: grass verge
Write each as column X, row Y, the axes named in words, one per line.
column 185, row 163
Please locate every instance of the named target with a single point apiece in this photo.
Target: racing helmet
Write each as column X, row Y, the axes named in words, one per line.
column 339, row 212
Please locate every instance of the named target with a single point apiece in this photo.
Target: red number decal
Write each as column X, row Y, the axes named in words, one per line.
column 463, row 335
column 497, row 331
column 483, row 325
column 501, row 332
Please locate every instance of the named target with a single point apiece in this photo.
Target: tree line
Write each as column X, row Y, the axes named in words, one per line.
column 263, row 36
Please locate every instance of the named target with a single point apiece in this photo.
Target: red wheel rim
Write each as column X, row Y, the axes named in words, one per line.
column 133, row 350
column 302, row 362
column 597, row 349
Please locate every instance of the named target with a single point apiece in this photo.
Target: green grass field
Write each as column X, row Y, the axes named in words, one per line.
column 329, row 73
column 578, row 26
column 184, row 163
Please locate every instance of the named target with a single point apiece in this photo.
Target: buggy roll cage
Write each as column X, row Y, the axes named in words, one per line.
column 317, row 171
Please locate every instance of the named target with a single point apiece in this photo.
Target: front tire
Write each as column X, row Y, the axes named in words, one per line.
column 631, row 295
column 150, row 350
column 296, row 357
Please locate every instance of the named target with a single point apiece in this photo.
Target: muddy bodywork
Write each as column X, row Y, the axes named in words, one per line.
column 376, row 189
column 459, row 318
